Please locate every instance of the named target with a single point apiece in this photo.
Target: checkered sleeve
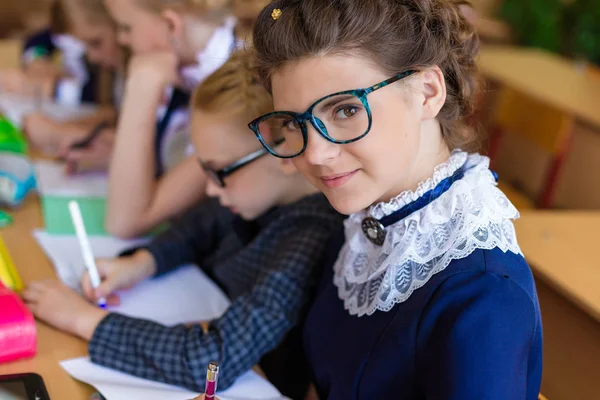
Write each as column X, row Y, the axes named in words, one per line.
column 192, row 237
column 254, row 324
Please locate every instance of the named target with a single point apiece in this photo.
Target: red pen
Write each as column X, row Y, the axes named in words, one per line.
column 212, row 376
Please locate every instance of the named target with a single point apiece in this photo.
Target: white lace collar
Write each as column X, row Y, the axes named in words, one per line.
column 472, row 214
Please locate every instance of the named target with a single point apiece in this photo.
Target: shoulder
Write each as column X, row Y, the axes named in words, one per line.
column 481, row 324
column 488, row 287
column 491, row 267
column 310, row 213
column 302, row 231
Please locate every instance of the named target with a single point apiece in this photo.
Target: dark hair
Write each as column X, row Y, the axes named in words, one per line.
column 397, row 34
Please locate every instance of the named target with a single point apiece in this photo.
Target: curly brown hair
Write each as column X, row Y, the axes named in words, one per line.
column 397, row 34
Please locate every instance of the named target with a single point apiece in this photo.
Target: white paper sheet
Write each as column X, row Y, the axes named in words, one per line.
column 115, row 385
column 15, row 108
column 184, row 295
column 63, row 251
column 52, row 181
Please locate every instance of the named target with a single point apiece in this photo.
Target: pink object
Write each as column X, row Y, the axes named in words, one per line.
column 212, row 376
column 17, row 328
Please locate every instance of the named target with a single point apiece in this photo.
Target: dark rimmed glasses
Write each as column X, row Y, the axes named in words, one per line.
column 341, row 118
column 218, row 175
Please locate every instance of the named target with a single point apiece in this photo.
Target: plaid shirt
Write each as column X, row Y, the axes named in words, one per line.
column 267, row 267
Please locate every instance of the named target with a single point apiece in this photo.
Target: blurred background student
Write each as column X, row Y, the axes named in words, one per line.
column 89, row 23
column 54, row 64
column 176, row 44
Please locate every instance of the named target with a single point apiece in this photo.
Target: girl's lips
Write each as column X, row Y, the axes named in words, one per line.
column 337, row 180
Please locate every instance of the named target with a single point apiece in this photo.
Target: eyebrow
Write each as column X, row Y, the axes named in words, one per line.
column 326, row 105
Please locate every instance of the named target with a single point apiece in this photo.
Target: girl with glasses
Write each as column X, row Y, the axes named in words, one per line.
column 427, row 294
column 263, row 239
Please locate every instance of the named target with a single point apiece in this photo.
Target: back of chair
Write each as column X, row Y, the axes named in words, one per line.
column 546, row 127
column 542, row 397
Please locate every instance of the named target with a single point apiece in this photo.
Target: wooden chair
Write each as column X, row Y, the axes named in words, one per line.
column 545, row 127
column 542, row 397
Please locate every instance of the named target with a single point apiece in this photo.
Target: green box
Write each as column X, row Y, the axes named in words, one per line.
column 57, row 218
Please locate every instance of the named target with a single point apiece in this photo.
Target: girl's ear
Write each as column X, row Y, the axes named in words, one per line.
column 433, row 88
column 175, row 25
column 287, row 166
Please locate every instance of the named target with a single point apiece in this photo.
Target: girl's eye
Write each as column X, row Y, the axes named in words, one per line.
column 345, row 112
column 291, row 125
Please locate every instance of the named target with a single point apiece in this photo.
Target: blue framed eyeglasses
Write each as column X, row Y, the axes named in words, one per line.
column 341, row 118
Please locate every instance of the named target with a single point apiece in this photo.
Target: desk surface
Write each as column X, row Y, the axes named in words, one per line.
column 53, row 346
column 545, row 76
column 561, row 248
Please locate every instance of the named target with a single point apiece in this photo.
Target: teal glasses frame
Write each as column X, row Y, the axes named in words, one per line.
column 308, row 115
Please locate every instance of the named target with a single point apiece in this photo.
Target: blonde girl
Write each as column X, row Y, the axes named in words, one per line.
column 176, row 44
column 262, row 239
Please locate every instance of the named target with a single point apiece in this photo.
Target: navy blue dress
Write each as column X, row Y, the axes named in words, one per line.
column 473, row 332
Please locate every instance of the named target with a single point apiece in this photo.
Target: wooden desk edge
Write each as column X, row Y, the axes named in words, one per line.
column 568, row 294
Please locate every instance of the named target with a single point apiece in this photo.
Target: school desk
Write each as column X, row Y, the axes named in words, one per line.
column 562, row 249
column 544, row 76
column 53, row 346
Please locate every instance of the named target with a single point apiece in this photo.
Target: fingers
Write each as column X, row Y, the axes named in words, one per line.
column 110, row 274
column 106, row 288
column 87, row 288
column 35, row 291
column 31, row 294
column 114, row 300
column 93, row 295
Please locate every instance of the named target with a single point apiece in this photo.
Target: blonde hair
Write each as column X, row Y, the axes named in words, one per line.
column 234, row 88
